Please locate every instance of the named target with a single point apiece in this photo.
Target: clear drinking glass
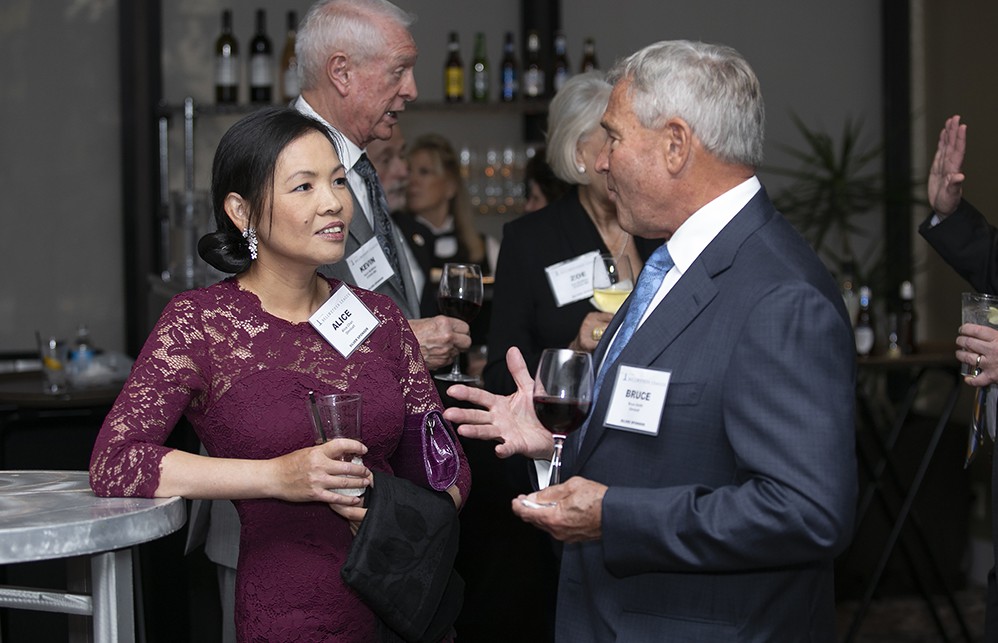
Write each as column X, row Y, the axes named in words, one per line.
column 979, row 309
column 337, row 416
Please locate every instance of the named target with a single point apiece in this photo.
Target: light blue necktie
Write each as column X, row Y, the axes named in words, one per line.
column 649, row 281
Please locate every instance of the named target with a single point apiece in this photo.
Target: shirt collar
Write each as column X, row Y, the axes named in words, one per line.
column 349, row 153
column 696, row 233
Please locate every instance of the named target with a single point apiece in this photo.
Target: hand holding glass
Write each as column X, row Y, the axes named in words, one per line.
column 337, row 416
column 563, row 391
column 612, row 282
column 982, row 310
column 460, row 295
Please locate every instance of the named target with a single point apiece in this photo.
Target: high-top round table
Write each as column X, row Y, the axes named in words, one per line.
column 54, row 514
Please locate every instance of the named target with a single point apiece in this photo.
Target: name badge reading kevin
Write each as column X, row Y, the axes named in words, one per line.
column 344, row 321
column 571, row 280
column 637, row 399
column 369, row 265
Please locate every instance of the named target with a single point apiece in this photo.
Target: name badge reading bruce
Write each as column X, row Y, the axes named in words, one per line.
column 369, row 265
column 637, row 399
column 571, row 280
column 344, row 321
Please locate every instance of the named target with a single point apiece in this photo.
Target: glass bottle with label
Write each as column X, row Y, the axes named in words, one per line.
column 453, row 71
column 261, row 77
column 226, row 63
column 533, row 73
column 589, row 61
column 865, row 334
column 289, row 64
column 561, row 67
column 509, row 82
column 906, row 320
column 480, row 71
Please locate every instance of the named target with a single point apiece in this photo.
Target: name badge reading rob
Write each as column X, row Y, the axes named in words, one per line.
column 344, row 321
column 369, row 265
column 637, row 399
column 571, row 280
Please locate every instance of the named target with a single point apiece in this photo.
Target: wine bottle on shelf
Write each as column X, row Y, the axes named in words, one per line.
column 289, row 64
column 561, row 68
column 261, row 80
column 865, row 334
column 533, row 73
column 509, row 80
column 480, row 71
column 226, row 63
column 453, row 71
column 589, row 62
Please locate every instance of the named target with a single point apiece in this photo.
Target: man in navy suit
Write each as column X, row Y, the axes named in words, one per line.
column 714, row 481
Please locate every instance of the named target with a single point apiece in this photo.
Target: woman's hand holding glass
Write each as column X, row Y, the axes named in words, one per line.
column 312, row 474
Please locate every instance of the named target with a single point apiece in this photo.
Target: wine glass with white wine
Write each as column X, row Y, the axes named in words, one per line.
column 613, row 281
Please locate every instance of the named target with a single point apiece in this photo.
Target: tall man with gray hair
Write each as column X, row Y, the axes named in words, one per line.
column 714, row 481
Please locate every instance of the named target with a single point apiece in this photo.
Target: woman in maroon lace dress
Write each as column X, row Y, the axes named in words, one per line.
column 238, row 359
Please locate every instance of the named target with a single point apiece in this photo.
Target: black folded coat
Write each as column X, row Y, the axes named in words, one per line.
column 402, row 560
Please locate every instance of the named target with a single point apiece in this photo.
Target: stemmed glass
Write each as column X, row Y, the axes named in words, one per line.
column 563, row 391
column 613, row 281
column 460, row 295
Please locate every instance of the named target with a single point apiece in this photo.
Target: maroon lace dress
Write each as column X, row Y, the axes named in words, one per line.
column 241, row 377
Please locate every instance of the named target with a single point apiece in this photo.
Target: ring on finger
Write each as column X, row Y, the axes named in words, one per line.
column 977, row 364
column 597, row 333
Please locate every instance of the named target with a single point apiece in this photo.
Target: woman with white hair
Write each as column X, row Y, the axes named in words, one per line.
column 525, row 310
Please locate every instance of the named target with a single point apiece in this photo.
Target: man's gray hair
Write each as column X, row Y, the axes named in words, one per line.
column 711, row 87
column 351, row 26
column 574, row 114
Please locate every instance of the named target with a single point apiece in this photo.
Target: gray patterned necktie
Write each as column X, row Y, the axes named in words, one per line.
column 382, row 224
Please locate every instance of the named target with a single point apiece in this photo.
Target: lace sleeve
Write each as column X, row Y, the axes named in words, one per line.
column 421, row 396
column 167, row 377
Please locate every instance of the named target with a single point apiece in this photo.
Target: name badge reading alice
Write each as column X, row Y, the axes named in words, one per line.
column 344, row 321
column 571, row 280
column 369, row 265
column 637, row 399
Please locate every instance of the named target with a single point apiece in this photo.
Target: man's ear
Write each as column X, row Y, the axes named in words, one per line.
column 338, row 72
column 237, row 210
column 677, row 144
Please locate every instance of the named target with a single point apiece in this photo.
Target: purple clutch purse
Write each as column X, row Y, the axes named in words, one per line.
column 432, row 437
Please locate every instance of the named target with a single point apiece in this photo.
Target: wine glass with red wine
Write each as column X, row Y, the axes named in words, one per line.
column 460, row 295
column 563, row 391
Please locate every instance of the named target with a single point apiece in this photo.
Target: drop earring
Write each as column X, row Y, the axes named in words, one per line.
column 250, row 235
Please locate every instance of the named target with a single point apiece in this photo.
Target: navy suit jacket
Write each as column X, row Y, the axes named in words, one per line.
column 724, row 525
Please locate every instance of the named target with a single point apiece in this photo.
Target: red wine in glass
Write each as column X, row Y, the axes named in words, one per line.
column 463, row 309
column 560, row 416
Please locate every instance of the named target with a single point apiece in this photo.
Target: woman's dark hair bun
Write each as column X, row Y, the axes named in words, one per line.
column 225, row 250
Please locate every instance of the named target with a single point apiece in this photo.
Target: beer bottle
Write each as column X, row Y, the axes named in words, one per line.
column 865, row 335
column 509, row 82
column 480, row 71
column 561, row 69
column 589, row 62
column 533, row 74
column 453, row 72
